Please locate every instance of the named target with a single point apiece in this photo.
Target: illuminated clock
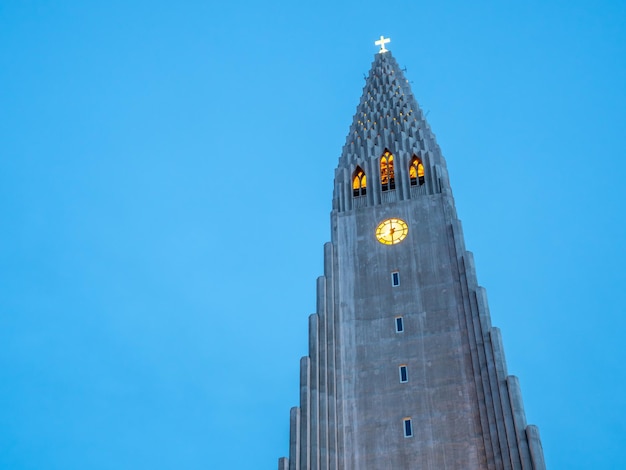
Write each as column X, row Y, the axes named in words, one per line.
column 391, row 231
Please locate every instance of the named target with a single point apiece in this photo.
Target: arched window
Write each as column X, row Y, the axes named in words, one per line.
column 359, row 182
column 387, row 174
column 416, row 172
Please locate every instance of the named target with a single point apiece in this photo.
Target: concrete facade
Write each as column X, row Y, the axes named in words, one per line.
column 465, row 411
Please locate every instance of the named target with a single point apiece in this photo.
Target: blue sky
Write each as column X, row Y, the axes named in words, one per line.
column 165, row 186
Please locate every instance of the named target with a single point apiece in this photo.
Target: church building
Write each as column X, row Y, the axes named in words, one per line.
column 404, row 369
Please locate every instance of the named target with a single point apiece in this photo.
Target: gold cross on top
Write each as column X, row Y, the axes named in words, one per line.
column 381, row 42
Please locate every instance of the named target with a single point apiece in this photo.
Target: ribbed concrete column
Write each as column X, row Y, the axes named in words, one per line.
column 536, row 450
column 519, row 419
column 507, row 413
column 501, row 443
column 305, row 409
column 331, row 358
column 294, row 438
column 323, row 371
column 483, row 309
column 314, row 392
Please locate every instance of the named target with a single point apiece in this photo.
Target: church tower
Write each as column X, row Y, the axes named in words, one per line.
column 404, row 369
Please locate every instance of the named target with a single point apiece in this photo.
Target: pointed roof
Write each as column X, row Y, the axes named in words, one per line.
column 387, row 116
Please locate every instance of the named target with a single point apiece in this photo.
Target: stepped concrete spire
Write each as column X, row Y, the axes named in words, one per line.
column 387, row 115
column 404, row 369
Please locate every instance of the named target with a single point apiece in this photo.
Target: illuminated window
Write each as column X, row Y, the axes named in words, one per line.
column 399, row 324
column 416, row 172
column 359, row 182
column 384, row 173
column 408, row 427
column 395, row 279
column 404, row 374
column 387, row 173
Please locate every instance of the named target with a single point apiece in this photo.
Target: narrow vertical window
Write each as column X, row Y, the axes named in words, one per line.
column 395, row 278
column 413, row 171
column 359, row 182
column 384, row 173
column 399, row 324
column 404, row 374
column 408, row 427
column 416, row 172
column 387, row 173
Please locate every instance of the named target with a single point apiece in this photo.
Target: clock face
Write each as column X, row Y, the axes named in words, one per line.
column 391, row 231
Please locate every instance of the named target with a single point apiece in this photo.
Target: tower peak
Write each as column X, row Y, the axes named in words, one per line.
column 389, row 131
column 387, row 117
